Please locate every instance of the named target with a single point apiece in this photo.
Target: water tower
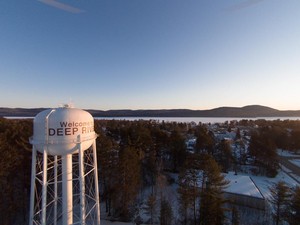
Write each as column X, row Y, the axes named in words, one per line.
column 64, row 177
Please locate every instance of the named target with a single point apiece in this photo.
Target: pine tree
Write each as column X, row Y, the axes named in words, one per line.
column 129, row 180
column 178, row 149
column 238, row 134
column 225, row 157
column 185, row 200
column 108, row 161
column 280, row 196
column 263, row 149
column 189, row 190
column 235, row 216
column 151, row 207
column 205, row 140
column 201, row 179
column 212, row 200
column 166, row 213
column 15, row 170
column 294, row 207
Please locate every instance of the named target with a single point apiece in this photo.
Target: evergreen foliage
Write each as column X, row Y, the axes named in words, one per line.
column 280, row 196
column 108, row 164
column 166, row 213
column 151, row 207
column 189, row 188
column 224, row 156
column 201, row 183
column 15, row 163
column 294, row 207
column 238, row 134
column 177, row 149
column 263, row 148
column 205, row 140
column 235, row 216
column 134, row 155
column 128, row 181
column 212, row 201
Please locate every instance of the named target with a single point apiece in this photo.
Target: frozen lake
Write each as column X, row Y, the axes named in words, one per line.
column 183, row 119
column 195, row 119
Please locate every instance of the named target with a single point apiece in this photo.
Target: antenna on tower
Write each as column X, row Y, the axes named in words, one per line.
column 71, row 103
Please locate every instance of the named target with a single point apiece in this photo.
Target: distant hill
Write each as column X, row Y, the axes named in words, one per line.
column 246, row 111
column 20, row 112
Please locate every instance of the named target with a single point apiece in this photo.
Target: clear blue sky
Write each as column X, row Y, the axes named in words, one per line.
column 150, row 54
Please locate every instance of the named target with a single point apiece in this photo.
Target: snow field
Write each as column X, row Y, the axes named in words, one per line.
column 264, row 183
column 296, row 162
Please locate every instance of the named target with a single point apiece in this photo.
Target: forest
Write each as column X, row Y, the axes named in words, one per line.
column 134, row 156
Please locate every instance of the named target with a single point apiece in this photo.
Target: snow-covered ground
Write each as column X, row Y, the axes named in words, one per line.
column 286, row 153
column 294, row 159
column 295, row 162
column 244, row 183
column 239, row 184
column 264, row 183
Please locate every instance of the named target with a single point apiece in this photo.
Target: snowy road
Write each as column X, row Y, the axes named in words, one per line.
column 293, row 170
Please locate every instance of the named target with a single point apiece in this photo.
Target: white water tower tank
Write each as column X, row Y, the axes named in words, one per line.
column 64, row 177
column 59, row 130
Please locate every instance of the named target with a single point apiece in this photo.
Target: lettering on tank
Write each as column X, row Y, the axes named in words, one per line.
column 72, row 128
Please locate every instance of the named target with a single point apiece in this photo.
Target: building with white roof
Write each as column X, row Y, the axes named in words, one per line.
column 243, row 191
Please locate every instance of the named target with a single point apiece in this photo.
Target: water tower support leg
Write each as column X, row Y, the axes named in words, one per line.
column 32, row 187
column 96, row 182
column 67, row 190
column 82, row 185
column 44, row 187
column 55, row 190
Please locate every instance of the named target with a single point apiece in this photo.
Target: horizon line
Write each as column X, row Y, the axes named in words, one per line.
column 152, row 109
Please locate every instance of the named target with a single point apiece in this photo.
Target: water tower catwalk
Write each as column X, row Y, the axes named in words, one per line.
column 64, row 177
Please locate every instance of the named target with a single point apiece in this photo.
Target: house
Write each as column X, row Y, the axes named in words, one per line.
column 242, row 190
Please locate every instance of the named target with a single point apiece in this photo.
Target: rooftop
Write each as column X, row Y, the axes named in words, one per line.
column 242, row 184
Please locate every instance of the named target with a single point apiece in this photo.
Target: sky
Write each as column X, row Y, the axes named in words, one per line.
column 150, row 54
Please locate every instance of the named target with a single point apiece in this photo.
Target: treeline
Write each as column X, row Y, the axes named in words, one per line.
column 15, row 169
column 135, row 155
column 284, row 134
column 138, row 155
column 267, row 137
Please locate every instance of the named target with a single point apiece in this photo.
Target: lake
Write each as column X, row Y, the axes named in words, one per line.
column 195, row 119
column 182, row 119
